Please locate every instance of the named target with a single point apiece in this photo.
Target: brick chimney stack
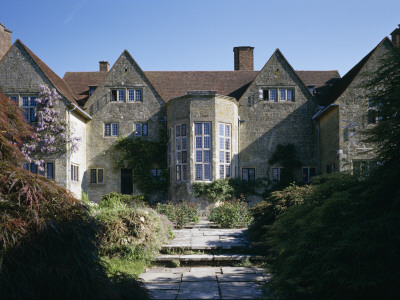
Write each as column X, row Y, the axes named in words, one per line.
column 104, row 66
column 396, row 36
column 243, row 58
column 5, row 40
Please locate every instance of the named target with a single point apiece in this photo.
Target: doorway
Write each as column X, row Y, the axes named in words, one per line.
column 126, row 181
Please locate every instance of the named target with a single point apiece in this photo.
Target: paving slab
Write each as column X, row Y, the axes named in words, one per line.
column 235, row 270
column 160, row 277
column 240, row 277
column 205, row 269
column 163, row 286
column 198, row 290
column 240, row 290
column 201, row 276
column 163, row 294
column 196, row 257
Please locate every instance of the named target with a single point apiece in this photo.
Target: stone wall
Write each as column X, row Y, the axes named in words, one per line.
column 329, row 139
column 188, row 110
column 20, row 76
column 353, row 114
column 267, row 124
column 100, row 148
column 5, row 40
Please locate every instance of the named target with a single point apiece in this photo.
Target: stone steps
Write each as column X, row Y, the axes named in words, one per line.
column 206, row 259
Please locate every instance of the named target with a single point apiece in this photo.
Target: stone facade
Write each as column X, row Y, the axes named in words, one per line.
column 267, row 123
column 125, row 75
column 221, row 124
column 343, row 122
column 201, row 149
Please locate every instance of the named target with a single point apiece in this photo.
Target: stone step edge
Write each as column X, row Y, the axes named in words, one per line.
column 207, row 257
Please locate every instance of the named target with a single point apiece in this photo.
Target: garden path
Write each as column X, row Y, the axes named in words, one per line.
column 205, row 261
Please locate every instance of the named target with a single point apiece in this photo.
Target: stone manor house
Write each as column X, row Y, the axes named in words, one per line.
column 220, row 123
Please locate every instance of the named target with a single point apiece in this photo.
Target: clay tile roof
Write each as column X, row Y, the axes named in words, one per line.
column 58, row 83
column 347, row 79
column 80, row 82
column 172, row 84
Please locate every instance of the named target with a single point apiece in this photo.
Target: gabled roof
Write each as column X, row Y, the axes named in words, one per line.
column 57, row 82
column 338, row 88
column 172, row 84
column 80, row 82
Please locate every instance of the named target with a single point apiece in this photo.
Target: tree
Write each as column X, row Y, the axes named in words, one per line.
column 384, row 93
column 52, row 132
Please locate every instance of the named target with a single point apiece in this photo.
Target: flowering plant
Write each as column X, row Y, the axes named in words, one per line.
column 52, row 131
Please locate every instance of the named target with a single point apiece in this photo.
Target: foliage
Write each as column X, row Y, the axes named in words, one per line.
column 116, row 200
column 384, row 93
column 266, row 212
column 180, row 214
column 286, row 157
column 231, row 214
column 49, row 245
column 225, row 189
column 52, row 131
column 13, row 130
column 346, row 244
column 139, row 155
column 129, row 230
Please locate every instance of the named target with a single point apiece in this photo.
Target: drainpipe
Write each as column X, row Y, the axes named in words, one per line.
column 319, row 146
column 69, row 147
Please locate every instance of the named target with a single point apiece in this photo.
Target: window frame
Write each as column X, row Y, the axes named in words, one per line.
column 111, row 130
column 248, row 178
column 142, row 125
column 224, row 137
column 74, row 172
column 28, row 166
column 307, row 178
column 201, row 134
column 96, row 181
column 181, row 152
column 274, row 94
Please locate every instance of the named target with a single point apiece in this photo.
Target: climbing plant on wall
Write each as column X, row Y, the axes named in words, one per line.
column 52, row 131
column 286, row 157
column 141, row 156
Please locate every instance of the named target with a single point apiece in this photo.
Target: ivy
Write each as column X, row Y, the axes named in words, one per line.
column 140, row 155
column 285, row 156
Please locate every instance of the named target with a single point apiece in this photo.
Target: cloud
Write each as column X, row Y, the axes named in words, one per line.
column 78, row 6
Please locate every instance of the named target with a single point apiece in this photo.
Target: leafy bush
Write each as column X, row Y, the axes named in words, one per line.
column 130, row 231
column 266, row 212
column 49, row 244
column 180, row 214
column 343, row 243
column 116, row 200
column 225, row 189
column 231, row 214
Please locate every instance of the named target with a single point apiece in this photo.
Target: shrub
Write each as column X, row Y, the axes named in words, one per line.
column 266, row 212
column 131, row 232
column 179, row 214
column 49, row 244
column 343, row 243
column 231, row 214
column 116, row 200
column 225, row 189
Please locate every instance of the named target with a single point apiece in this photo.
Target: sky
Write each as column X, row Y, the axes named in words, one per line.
column 188, row 35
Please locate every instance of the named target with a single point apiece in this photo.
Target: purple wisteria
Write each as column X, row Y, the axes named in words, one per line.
column 52, row 132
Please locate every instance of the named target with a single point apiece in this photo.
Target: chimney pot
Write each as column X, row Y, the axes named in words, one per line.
column 5, row 40
column 243, row 58
column 104, row 66
column 396, row 36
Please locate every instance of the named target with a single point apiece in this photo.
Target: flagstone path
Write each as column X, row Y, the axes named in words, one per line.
column 205, row 260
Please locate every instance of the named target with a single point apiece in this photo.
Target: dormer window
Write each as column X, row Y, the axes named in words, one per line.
column 276, row 94
column 311, row 87
column 92, row 88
